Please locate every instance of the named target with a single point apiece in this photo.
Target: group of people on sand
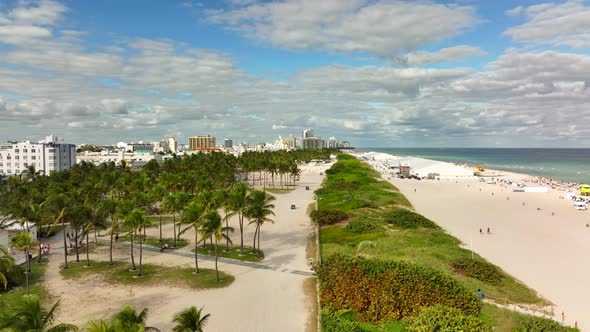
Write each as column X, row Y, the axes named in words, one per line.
column 488, row 231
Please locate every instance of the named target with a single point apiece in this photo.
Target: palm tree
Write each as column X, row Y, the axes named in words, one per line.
column 213, row 227
column 56, row 206
column 108, row 207
column 237, row 203
column 191, row 215
column 137, row 221
column 130, row 320
column 258, row 211
column 190, row 320
column 174, row 203
column 25, row 242
column 156, row 197
column 29, row 315
column 6, row 265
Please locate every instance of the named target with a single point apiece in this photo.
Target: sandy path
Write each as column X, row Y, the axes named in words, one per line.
column 258, row 300
column 547, row 252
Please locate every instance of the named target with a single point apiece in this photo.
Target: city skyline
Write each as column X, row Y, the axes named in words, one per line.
column 465, row 73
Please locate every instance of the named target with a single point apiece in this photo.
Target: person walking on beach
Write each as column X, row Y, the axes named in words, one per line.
column 489, row 231
column 480, row 294
column 480, row 231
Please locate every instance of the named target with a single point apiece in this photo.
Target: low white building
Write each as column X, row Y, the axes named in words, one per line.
column 46, row 156
column 135, row 160
column 7, row 233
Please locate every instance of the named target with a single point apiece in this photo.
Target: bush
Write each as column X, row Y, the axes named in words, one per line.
column 445, row 319
column 362, row 226
column 478, row 269
column 340, row 321
column 364, row 245
column 328, row 217
column 538, row 324
column 407, row 219
column 389, row 290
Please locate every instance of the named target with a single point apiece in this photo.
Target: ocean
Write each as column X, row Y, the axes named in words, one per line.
column 571, row 165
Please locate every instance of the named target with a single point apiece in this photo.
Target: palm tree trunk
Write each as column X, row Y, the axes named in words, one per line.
column 111, row 246
column 241, row 217
column 160, row 226
column 226, row 234
column 131, row 234
column 63, row 227
column 254, row 242
column 40, row 252
column 28, row 271
column 258, row 240
column 76, row 245
column 216, row 269
column 174, row 226
column 196, row 250
column 87, row 249
column 140, row 253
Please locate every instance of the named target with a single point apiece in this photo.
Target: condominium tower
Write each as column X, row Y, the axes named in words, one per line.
column 201, row 142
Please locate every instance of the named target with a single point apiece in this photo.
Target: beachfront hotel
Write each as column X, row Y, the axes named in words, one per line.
column 201, row 142
column 46, row 156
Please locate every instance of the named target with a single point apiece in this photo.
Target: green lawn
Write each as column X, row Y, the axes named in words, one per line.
column 233, row 253
column 12, row 295
column 155, row 241
column 166, row 219
column 279, row 190
column 154, row 275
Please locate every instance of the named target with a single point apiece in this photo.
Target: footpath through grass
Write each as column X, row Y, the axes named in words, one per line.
column 373, row 228
column 155, row 241
column 154, row 275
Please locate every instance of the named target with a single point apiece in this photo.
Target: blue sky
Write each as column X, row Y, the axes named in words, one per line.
column 377, row 73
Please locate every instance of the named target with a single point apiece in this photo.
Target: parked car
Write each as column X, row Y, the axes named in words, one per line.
column 292, row 206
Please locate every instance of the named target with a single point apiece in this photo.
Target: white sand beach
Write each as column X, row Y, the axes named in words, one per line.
column 538, row 238
column 267, row 297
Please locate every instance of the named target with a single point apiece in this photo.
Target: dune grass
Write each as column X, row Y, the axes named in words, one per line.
column 154, row 275
column 354, row 187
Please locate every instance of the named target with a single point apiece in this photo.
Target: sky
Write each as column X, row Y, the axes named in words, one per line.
column 377, row 73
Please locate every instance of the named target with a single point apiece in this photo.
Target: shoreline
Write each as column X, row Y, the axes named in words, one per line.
column 537, row 237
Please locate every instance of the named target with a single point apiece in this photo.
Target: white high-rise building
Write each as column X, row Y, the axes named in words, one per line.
column 46, row 156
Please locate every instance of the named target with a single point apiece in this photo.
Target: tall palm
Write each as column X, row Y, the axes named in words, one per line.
column 124, row 208
column 156, row 197
column 137, row 222
column 259, row 211
column 190, row 320
column 237, row 203
column 24, row 241
column 108, row 208
column 213, row 227
column 174, row 203
column 28, row 315
column 6, row 265
column 191, row 216
column 56, row 206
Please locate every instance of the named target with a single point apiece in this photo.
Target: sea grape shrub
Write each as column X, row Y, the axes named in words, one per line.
column 441, row 318
column 538, row 324
column 389, row 290
column 362, row 226
column 478, row 269
column 328, row 217
column 408, row 219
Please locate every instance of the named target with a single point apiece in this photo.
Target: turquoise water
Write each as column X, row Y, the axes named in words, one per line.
column 561, row 164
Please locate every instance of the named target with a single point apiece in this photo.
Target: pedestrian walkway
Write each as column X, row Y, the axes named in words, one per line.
column 212, row 259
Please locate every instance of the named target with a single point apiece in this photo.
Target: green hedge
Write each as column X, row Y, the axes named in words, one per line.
column 478, row 269
column 328, row 217
column 407, row 219
column 445, row 319
column 389, row 290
